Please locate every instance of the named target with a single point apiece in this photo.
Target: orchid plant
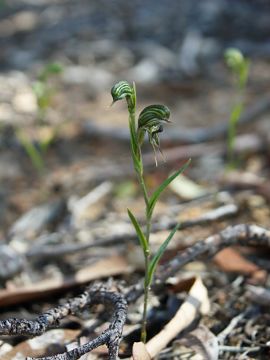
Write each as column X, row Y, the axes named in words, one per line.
column 150, row 122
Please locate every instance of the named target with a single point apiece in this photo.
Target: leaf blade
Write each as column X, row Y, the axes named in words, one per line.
column 142, row 238
column 155, row 260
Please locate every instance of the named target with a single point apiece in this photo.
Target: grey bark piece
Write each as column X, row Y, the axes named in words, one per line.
column 35, row 220
column 11, row 263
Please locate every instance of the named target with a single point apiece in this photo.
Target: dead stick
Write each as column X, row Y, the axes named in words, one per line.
column 51, row 252
column 217, row 214
column 230, row 327
column 111, row 337
column 242, row 234
column 251, row 235
column 244, row 144
column 252, row 113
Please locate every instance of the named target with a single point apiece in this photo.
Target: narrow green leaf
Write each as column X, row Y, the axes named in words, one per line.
column 156, row 258
column 236, row 113
column 153, row 199
column 142, row 238
column 134, row 95
column 32, row 152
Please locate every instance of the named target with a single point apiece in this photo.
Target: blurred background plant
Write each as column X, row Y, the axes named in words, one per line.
column 239, row 67
column 58, row 60
column 44, row 92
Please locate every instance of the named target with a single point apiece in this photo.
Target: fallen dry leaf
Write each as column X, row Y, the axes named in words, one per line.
column 186, row 188
column 232, row 261
column 177, row 285
column 139, row 352
column 202, row 341
column 197, row 301
column 37, row 346
column 110, row 266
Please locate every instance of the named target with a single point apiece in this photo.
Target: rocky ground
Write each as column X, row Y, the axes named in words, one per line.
column 66, row 176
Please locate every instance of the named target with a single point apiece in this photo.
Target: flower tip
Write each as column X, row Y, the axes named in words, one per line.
column 234, row 58
column 121, row 90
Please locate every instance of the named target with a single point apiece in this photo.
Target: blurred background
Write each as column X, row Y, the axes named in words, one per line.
column 66, row 177
column 59, row 59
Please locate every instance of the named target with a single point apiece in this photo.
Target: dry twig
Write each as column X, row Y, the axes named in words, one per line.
column 217, row 214
column 111, row 336
column 194, row 136
column 242, row 234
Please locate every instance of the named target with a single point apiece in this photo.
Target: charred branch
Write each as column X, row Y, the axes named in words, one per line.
column 110, row 337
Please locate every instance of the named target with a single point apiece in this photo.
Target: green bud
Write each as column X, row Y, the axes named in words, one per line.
column 234, row 59
column 238, row 64
column 121, row 90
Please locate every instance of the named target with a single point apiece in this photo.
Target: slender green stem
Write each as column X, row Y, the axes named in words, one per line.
column 146, row 257
column 146, row 295
column 234, row 118
column 147, row 283
column 142, row 184
column 145, row 195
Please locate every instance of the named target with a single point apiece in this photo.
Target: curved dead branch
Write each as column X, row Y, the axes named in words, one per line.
column 242, row 234
column 54, row 251
column 110, row 337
